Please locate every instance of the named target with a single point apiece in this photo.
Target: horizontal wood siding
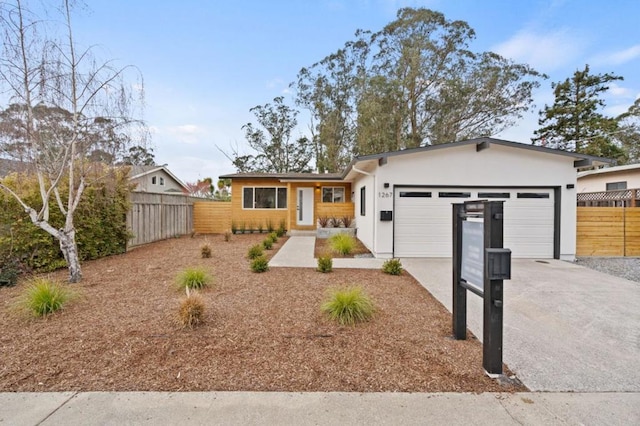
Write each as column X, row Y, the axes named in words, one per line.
column 211, row 217
column 253, row 218
column 153, row 217
column 608, row 231
column 335, row 209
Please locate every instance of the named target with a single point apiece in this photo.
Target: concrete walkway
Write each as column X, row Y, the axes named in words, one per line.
column 317, row 408
column 566, row 328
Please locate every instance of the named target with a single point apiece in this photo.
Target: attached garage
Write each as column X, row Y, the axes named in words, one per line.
column 403, row 200
column 422, row 226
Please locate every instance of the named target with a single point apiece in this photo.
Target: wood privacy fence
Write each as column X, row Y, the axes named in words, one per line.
column 211, row 217
column 154, row 217
column 608, row 231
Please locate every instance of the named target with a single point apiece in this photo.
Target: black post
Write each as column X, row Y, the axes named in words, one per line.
column 492, row 323
column 459, row 292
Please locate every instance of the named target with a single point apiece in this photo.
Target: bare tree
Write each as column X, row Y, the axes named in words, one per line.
column 54, row 75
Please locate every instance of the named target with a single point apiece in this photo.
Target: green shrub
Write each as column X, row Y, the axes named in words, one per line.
column 191, row 312
column 270, row 227
column 342, row 243
column 205, row 251
column 267, row 244
column 255, row 251
column 282, row 229
column 9, row 271
column 260, row 264
column 392, row 267
column 348, row 305
column 274, row 237
column 43, row 297
column 325, row 264
column 193, row 278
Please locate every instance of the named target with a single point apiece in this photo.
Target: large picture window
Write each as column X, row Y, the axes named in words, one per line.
column 264, row 197
column 333, row 194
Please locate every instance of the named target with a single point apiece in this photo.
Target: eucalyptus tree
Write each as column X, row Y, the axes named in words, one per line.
column 43, row 69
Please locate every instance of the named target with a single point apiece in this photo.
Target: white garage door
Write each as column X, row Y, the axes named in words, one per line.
column 422, row 222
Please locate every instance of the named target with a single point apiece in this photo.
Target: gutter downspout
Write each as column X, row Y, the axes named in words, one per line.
column 375, row 241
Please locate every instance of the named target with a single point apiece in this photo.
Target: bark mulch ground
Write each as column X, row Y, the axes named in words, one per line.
column 262, row 332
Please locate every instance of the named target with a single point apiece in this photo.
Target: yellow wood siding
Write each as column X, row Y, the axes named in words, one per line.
column 608, row 231
column 211, row 217
column 320, row 208
column 252, row 218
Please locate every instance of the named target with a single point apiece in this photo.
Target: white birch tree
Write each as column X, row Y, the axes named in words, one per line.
column 49, row 73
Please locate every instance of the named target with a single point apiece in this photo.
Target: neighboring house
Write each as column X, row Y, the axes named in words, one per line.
column 157, row 179
column 402, row 200
column 609, row 178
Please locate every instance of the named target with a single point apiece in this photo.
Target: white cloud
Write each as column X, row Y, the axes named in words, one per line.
column 186, row 133
column 619, row 57
column 545, row 51
column 619, row 91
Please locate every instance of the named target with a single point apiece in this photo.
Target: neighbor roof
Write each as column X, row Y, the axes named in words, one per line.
column 139, row 171
column 606, row 170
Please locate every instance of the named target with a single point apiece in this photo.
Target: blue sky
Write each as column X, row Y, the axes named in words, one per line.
column 206, row 63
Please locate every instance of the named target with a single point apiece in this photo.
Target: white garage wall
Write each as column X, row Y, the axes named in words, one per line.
column 495, row 166
column 365, row 224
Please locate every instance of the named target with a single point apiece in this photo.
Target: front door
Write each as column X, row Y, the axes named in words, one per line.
column 304, row 213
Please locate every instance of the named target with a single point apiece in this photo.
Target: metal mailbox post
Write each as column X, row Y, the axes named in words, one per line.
column 480, row 264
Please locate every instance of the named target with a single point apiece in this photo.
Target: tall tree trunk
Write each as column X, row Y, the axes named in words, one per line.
column 69, row 250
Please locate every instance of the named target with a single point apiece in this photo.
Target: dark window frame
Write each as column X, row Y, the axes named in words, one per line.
column 533, row 195
column 363, row 203
column 616, row 186
column 454, row 194
column 333, row 194
column 279, row 197
column 494, row 195
column 415, row 194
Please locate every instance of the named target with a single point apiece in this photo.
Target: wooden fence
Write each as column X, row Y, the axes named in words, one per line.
column 608, row 231
column 211, row 217
column 154, row 217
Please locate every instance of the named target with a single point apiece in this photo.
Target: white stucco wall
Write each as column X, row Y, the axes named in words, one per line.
column 365, row 224
column 598, row 182
column 496, row 166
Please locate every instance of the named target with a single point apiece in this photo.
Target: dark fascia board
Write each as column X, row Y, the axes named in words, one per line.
column 483, row 143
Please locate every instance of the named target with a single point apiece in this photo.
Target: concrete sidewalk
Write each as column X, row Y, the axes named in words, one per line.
column 317, row 408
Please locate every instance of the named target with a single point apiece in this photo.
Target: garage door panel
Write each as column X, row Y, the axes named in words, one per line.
column 422, row 225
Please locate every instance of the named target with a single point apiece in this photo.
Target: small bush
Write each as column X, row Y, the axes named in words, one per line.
column 43, row 297
column 392, row 267
column 347, row 221
column 227, row 236
column 282, row 229
column 348, row 305
column 205, row 251
column 325, row 264
column 323, row 221
column 267, row 244
column 342, row 243
column 335, row 222
column 193, row 278
column 255, row 251
column 191, row 311
column 274, row 237
column 9, row 271
column 260, row 264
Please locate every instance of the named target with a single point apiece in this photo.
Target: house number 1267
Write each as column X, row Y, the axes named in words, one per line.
column 385, row 194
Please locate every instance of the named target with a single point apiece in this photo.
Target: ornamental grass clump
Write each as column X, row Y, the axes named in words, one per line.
column 273, row 236
column 325, row 264
column 205, row 251
column 193, row 278
column 255, row 251
column 44, row 296
column 191, row 311
column 260, row 264
column 348, row 305
column 342, row 243
column 392, row 267
column 267, row 243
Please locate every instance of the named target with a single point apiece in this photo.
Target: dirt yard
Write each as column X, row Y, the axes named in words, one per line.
column 263, row 332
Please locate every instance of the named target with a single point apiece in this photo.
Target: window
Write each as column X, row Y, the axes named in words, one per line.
column 454, row 194
column 612, row 186
column 161, row 181
column 264, row 198
column 153, row 180
column 533, row 195
column 494, row 195
column 415, row 194
column 332, row 194
column 363, row 193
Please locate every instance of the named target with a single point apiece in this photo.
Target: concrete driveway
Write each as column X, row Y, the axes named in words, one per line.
column 566, row 327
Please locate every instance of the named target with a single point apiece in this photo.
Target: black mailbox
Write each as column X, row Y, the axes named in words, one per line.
column 498, row 263
column 386, row 215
